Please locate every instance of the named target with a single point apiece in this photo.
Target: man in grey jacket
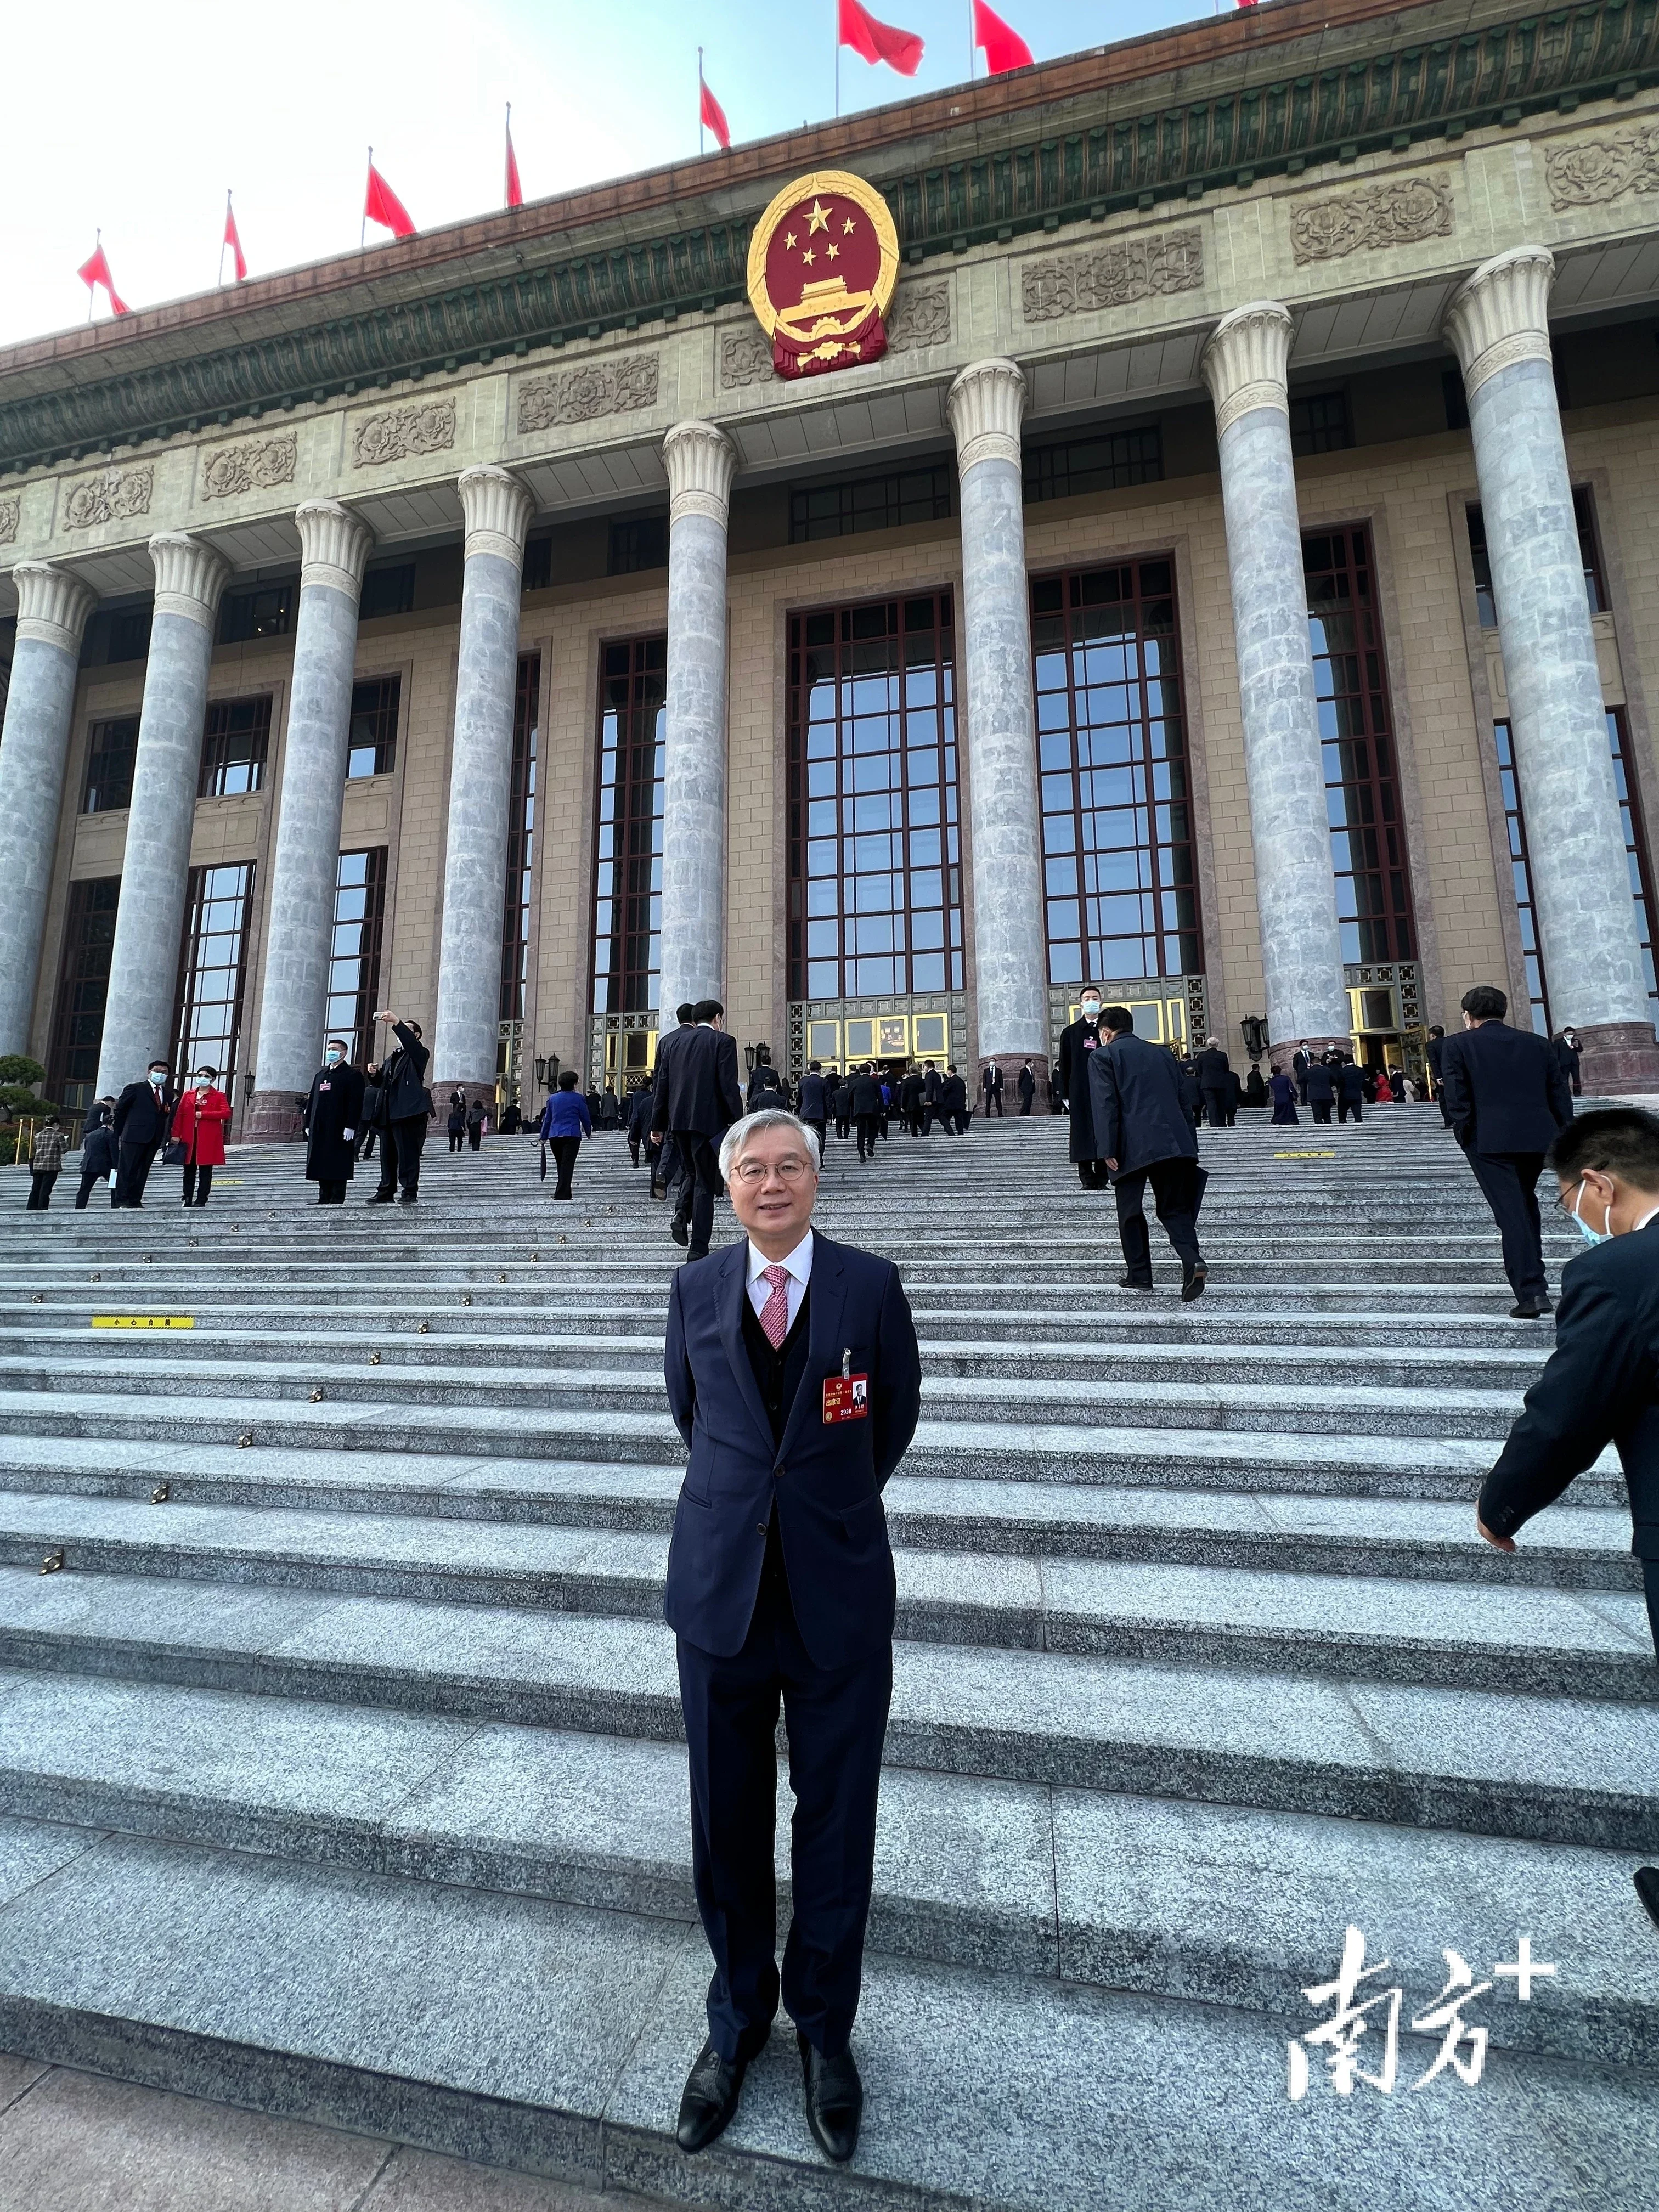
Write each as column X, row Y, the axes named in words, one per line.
column 1142, row 1133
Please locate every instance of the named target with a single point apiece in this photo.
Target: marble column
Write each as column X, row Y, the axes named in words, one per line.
column 143, row 970
column 334, row 544
column 995, row 690
column 497, row 507
column 1244, row 365
column 700, row 460
column 52, row 606
column 1498, row 326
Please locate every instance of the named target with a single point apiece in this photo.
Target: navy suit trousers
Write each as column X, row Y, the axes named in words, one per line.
column 836, row 1719
column 1509, row 1182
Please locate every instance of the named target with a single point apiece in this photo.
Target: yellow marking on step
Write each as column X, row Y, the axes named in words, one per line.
column 1304, row 1156
column 143, row 1321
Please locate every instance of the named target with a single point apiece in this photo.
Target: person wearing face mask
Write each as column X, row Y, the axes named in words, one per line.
column 1079, row 1040
column 1602, row 1384
column 199, row 1121
column 1506, row 1098
column 143, row 1113
column 334, row 1114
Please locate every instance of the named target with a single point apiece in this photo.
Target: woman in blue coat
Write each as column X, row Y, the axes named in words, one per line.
column 565, row 1121
column 1284, row 1095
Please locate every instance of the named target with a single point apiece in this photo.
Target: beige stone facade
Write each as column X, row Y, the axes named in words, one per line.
column 1105, row 311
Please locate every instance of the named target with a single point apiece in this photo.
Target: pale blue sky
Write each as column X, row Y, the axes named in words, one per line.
column 175, row 99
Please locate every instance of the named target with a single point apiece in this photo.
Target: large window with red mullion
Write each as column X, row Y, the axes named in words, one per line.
column 1362, row 792
column 520, row 839
column 1122, row 890
column 627, row 832
column 875, row 868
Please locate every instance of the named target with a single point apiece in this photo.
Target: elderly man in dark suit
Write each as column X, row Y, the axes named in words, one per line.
column 698, row 1098
column 1601, row 1385
column 1079, row 1042
column 1144, row 1135
column 405, row 1108
column 794, row 1377
column 1506, row 1098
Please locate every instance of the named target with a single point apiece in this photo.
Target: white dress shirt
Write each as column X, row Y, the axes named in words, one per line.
column 800, row 1264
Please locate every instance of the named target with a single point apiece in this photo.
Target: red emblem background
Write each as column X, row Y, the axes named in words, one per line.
column 822, row 269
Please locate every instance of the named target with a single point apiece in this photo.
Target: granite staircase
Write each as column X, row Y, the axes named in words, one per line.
column 339, row 1761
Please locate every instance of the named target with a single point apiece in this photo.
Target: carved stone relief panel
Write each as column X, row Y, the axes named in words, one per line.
column 582, row 395
column 113, row 495
column 10, row 513
column 1400, row 211
column 428, row 428
column 258, row 464
column 1142, row 267
column 921, row 317
column 745, row 358
column 1603, row 169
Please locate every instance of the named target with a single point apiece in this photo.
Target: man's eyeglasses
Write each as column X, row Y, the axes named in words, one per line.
column 750, row 1172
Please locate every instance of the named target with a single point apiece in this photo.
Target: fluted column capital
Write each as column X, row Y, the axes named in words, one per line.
column 498, row 506
column 701, row 462
column 986, row 406
column 189, row 576
column 52, row 604
column 334, row 544
column 1501, row 314
column 1246, row 362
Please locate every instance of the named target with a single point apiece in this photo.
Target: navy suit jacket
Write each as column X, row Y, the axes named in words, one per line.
column 1601, row 1386
column 1506, row 1091
column 1135, row 1104
column 826, row 1480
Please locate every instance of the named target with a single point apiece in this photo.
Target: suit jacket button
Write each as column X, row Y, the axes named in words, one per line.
column 780, row 1472
column 760, row 1528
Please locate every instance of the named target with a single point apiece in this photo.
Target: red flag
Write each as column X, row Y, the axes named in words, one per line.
column 515, row 189
column 233, row 239
column 97, row 272
column 382, row 205
column 1004, row 48
column 877, row 42
column 714, row 115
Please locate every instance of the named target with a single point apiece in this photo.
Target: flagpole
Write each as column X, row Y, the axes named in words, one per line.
column 506, row 155
column 221, row 278
column 362, row 228
column 97, row 239
column 700, row 147
column 837, row 61
column 970, row 41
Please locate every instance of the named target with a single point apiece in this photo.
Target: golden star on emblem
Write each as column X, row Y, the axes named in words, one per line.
column 789, row 238
column 819, row 217
column 832, row 252
column 847, row 228
column 808, row 257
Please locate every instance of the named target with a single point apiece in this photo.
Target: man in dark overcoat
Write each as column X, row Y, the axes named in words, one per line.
column 333, row 1120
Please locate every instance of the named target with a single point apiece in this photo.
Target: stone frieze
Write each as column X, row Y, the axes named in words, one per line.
column 745, row 358
column 1400, row 211
column 428, row 428
column 1147, row 265
column 921, row 317
column 257, row 465
column 1604, row 168
column 583, row 395
column 10, row 511
column 113, row 495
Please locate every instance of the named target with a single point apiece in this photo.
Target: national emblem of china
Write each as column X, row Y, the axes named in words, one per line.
column 823, row 266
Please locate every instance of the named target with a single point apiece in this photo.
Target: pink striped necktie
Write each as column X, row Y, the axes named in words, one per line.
column 774, row 1314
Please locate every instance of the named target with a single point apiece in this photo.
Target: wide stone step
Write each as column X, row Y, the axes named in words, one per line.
column 1571, row 1545
column 1558, row 1643
column 332, row 1354
column 1223, row 1903
column 1547, row 1769
column 1149, row 1454
column 557, row 2039
column 1201, row 1402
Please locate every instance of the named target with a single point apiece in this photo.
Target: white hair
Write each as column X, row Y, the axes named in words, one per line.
column 767, row 1117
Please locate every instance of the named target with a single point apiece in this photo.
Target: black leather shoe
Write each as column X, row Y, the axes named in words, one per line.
column 680, row 1232
column 1129, row 1283
column 834, row 2100
column 1529, row 1313
column 709, row 2098
column 379, row 1198
column 1647, row 1888
column 1192, row 1284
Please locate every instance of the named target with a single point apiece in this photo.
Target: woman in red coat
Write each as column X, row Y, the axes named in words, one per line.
column 199, row 1122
